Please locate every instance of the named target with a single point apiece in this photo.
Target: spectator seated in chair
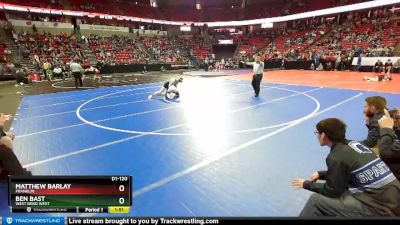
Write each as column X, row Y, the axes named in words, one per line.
column 57, row 72
column 388, row 66
column 378, row 68
column 396, row 66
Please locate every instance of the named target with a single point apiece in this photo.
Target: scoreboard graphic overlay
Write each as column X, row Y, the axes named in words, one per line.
column 82, row 194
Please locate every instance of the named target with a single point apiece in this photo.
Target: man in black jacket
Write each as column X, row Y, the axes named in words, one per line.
column 9, row 164
column 395, row 115
column 357, row 182
column 389, row 146
column 373, row 109
column 378, row 66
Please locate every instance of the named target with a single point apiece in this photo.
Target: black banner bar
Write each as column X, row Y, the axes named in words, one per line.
column 71, row 179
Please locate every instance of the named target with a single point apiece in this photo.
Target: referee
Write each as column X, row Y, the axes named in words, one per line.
column 258, row 69
column 77, row 72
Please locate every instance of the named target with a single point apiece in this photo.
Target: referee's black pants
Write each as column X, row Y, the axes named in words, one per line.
column 78, row 78
column 256, row 83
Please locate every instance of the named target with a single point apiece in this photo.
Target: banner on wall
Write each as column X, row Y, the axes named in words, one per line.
column 40, row 24
column 370, row 61
column 104, row 28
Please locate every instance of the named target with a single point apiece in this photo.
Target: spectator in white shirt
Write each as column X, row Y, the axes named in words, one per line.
column 57, row 72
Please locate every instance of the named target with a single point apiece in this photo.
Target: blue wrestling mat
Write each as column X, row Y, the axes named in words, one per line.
column 217, row 151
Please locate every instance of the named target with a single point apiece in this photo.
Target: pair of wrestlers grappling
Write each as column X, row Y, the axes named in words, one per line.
column 169, row 90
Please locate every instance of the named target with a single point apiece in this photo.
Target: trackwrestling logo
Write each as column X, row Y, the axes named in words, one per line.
column 33, row 220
